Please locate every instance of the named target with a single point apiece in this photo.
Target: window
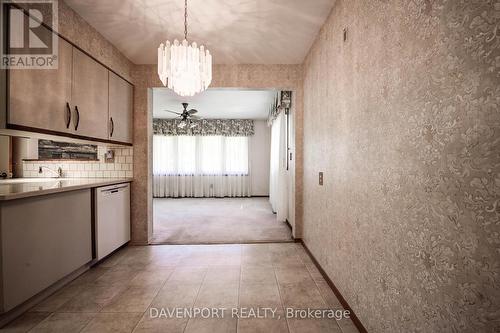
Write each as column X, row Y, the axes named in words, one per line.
column 200, row 155
column 237, row 155
column 211, row 155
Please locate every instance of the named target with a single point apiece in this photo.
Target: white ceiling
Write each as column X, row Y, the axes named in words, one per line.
column 216, row 103
column 235, row 31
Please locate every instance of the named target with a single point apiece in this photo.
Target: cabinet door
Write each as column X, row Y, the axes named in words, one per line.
column 39, row 98
column 89, row 97
column 120, row 109
column 43, row 239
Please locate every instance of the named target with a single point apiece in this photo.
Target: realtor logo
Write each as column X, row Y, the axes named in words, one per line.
column 27, row 39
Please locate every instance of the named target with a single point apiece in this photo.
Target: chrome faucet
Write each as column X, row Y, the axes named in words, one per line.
column 58, row 173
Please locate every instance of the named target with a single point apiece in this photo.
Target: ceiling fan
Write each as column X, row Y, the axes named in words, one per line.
column 187, row 116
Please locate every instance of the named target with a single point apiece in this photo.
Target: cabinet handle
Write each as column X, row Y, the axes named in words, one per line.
column 112, row 126
column 68, row 111
column 77, row 118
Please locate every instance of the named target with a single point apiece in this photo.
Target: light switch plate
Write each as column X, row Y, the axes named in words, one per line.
column 321, row 178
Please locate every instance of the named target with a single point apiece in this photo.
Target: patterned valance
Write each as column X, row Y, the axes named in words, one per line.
column 224, row 127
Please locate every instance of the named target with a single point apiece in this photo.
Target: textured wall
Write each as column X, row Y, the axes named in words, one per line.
column 231, row 76
column 260, row 157
column 77, row 30
column 404, row 120
column 144, row 77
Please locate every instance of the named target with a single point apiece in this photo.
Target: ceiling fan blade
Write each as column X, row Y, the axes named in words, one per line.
column 192, row 111
column 178, row 113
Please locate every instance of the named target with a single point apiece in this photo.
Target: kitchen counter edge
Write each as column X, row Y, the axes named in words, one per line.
column 91, row 183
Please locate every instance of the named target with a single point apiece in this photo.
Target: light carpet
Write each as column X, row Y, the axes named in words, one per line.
column 216, row 220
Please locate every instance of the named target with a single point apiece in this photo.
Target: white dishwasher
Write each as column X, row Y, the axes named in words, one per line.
column 112, row 216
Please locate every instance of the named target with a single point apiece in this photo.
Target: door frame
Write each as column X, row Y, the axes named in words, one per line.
column 145, row 77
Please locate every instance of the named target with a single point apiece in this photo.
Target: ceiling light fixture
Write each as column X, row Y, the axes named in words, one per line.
column 184, row 68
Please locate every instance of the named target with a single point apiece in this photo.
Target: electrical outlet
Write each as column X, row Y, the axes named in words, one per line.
column 321, row 178
column 109, row 156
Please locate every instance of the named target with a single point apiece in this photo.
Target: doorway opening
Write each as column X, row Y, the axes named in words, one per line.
column 220, row 167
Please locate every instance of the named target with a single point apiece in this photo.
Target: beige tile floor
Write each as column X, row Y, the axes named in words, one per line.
column 120, row 294
column 216, row 220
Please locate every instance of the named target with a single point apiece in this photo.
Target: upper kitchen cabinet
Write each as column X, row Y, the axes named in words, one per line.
column 81, row 98
column 89, row 96
column 120, row 109
column 40, row 98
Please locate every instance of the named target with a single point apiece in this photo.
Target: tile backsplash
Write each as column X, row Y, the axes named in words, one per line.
column 120, row 168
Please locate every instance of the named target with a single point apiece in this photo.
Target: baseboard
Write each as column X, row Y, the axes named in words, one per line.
column 224, row 242
column 13, row 314
column 337, row 293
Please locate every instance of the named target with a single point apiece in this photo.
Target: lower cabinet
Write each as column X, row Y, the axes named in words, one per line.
column 43, row 239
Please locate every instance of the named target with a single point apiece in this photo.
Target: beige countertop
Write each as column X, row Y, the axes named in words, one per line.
column 28, row 187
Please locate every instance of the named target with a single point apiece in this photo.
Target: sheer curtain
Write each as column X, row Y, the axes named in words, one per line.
column 200, row 166
column 278, row 185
